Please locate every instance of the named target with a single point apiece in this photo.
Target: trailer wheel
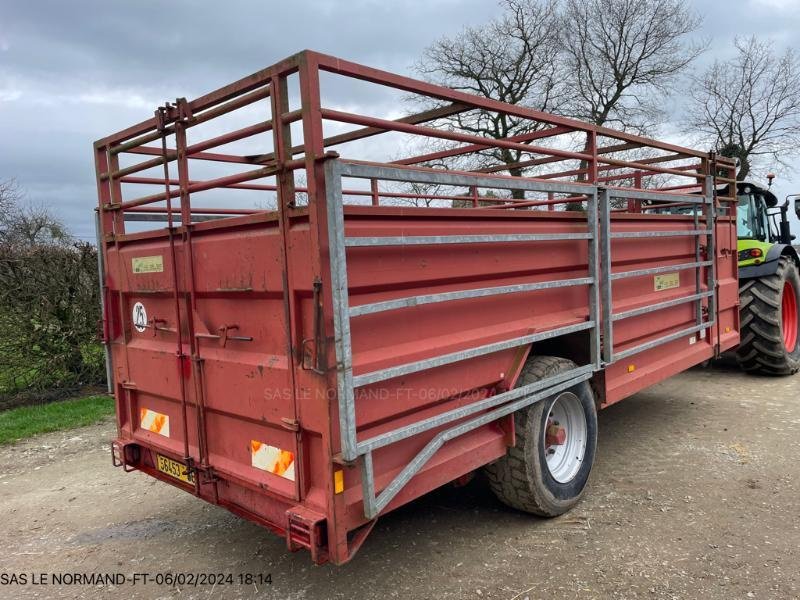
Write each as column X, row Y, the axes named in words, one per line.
column 768, row 309
column 546, row 472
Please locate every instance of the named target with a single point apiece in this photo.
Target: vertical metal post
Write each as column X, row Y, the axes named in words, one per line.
column 591, row 148
column 110, row 193
column 373, row 185
column 286, row 202
column 321, row 252
column 603, row 200
column 101, row 274
column 341, row 309
column 176, row 300
column 368, row 486
column 711, row 273
column 594, row 288
column 699, row 302
column 637, row 182
column 182, row 160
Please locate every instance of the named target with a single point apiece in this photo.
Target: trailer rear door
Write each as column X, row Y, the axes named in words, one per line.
column 224, row 350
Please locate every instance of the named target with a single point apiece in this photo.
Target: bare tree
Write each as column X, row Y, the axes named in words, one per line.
column 10, row 196
column 609, row 62
column 25, row 224
column 514, row 59
column 624, row 56
column 749, row 107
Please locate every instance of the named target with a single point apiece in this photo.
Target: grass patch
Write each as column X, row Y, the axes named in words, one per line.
column 23, row 422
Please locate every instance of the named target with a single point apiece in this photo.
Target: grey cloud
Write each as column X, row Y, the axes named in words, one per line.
column 72, row 72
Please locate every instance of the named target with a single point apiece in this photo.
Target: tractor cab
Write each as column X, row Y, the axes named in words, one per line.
column 759, row 225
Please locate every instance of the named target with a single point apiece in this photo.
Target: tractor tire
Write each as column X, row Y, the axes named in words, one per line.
column 524, row 479
column 770, row 328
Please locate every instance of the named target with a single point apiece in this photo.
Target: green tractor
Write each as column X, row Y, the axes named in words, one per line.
column 769, row 283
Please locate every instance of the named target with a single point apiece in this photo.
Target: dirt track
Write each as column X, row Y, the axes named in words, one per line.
column 695, row 493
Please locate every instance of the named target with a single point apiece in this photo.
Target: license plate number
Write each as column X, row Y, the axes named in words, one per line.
column 173, row 468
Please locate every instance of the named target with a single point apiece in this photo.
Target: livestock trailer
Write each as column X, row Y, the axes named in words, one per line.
column 313, row 316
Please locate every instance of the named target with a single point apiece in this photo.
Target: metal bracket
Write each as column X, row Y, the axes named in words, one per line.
column 314, row 348
column 224, row 337
column 154, row 325
column 119, row 457
column 184, row 110
column 290, row 424
column 180, row 110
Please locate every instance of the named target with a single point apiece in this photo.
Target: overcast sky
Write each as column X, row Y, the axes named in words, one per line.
column 74, row 71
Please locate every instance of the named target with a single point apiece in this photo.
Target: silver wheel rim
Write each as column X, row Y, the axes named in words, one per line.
column 564, row 460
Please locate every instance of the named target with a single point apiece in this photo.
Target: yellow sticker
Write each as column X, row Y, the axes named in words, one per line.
column 666, row 281
column 148, row 264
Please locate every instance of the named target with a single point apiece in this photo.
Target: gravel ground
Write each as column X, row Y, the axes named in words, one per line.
column 695, row 494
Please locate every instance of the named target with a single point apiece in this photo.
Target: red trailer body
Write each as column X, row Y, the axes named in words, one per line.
column 312, row 366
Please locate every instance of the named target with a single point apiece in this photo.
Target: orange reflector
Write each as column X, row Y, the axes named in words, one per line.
column 154, row 422
column 338, row 481
column 272, row 460
column 727, row 330
column 631, row 368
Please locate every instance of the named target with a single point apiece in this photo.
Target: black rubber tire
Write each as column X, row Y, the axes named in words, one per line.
column 521, row 478
column 761, row 349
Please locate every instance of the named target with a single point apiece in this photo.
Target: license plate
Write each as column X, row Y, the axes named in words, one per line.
column 173, row 468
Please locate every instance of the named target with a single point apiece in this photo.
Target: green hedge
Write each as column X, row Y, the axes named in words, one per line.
column 49, row 310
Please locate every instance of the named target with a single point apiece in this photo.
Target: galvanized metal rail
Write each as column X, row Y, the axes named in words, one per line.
column 706, row 201
column 492, row 408
column 598, row 280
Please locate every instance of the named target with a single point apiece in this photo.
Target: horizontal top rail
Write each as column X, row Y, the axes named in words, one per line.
column 635, row 194
column 368, row 170
column 343, row 67
column 429, row 240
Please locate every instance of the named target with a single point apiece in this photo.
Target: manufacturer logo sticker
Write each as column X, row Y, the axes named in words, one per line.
column 666, row 281
column 139, row 317
column 148, row 264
